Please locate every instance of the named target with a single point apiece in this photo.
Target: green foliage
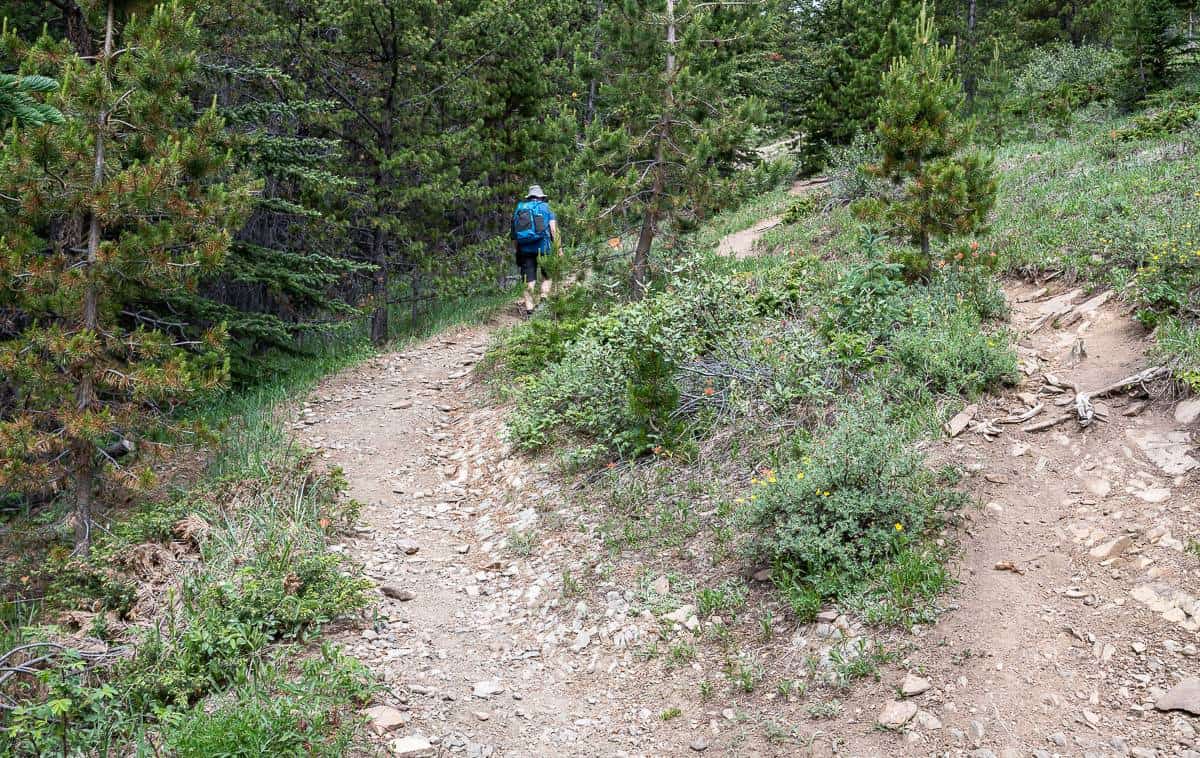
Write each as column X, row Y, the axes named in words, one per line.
column 17, row 103
column 132, row 198
column 727, row 598
column 1178, row 344
column 1160, row 123
column 842, row 51
column 855, row 499
column 1062, row 78
column 850, row 177
column 670, row 131
column 613, row 384
column 265, row 582
column 309, row 713
column 1151, row 37
column 943, row 191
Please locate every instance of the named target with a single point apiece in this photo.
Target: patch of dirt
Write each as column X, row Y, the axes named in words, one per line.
column 504, row 631
column 741, row 245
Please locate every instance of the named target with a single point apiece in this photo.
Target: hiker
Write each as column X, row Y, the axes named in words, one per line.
column 534, row 233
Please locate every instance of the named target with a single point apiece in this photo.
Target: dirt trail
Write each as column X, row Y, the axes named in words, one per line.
column 499, row 632
column 1069, row 656
column 741, row 244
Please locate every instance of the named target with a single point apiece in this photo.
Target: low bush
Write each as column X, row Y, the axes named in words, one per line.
column 308, row 711
column 1178, row 345
column 1061, row 78
column 1160, row 123
column 613, row 384
column 849, row 176
column 854, row 499
column 263, row 578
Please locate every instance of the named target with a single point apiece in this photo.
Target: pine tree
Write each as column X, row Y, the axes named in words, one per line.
column 845, row 50
column 1151, row 37
column 129, row 196
column 19, row 101
column 944, row 189
column 669, row 131
column 287, row 273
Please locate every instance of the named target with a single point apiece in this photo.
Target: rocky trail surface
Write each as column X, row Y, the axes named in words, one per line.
column 500, row 632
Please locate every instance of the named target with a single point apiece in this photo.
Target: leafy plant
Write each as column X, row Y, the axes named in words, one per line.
column 855, row 500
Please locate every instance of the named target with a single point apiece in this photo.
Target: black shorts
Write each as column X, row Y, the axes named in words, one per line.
column 530, row 264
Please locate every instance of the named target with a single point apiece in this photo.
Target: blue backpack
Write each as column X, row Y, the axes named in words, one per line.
column 531, row 224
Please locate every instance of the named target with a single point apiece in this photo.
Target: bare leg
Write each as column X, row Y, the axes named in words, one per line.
column 547, row 285
column 529, row 289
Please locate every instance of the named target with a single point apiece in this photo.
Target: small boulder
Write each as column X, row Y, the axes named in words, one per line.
column 681, row 614
column 661, row 586
column 413, row 746
column 1184, row 696
column 958, row 424
column 896, row 714
column 914, row 685
column 385, row 718
column 1112, row 548
column 396, row 592
column 488, row 688
column 1188, row 411
column 407, row 546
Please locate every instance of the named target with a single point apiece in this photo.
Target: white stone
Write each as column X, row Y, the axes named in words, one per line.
column 897, row 713
column 1188, row 411
column 487, row 688
column 413, row 746
column 1112, row 548
column 914, row 685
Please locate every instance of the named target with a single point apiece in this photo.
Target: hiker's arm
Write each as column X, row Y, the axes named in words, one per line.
column 554, row 235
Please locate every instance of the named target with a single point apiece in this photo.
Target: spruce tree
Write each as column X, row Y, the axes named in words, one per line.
column 287, row 274
column 1151, row 37
column 845, row 49
column 130, row 196
column 669, row 131
column 945, row 189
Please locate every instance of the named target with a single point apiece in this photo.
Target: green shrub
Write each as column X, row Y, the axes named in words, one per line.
column 1160, row 123
column 854, row 499
column 1178, row 345
column 1061, row 78
column 948, row 349
column 308, row 714
column 1167, row 282
column 599, row 391
column 848, row 170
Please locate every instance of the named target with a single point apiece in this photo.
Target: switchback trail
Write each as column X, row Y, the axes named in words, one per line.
column 498, row 631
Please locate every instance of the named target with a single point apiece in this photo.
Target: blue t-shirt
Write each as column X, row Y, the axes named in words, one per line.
column 544, row 245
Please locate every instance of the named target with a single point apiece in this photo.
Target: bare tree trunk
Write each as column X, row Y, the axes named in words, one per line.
column 589, row 112
column 969, row 79
column 379, row 290
column 77, row 30
column 641, row 255
column 85, row 474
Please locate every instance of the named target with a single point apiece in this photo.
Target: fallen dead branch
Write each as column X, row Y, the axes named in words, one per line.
column 31, row 658
column 1085, row 410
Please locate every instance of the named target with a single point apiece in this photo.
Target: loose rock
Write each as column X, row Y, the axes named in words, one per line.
column 897, row 713
column 413, row 746
column 397, row 592
column 914, row 685
column 1184, row 696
